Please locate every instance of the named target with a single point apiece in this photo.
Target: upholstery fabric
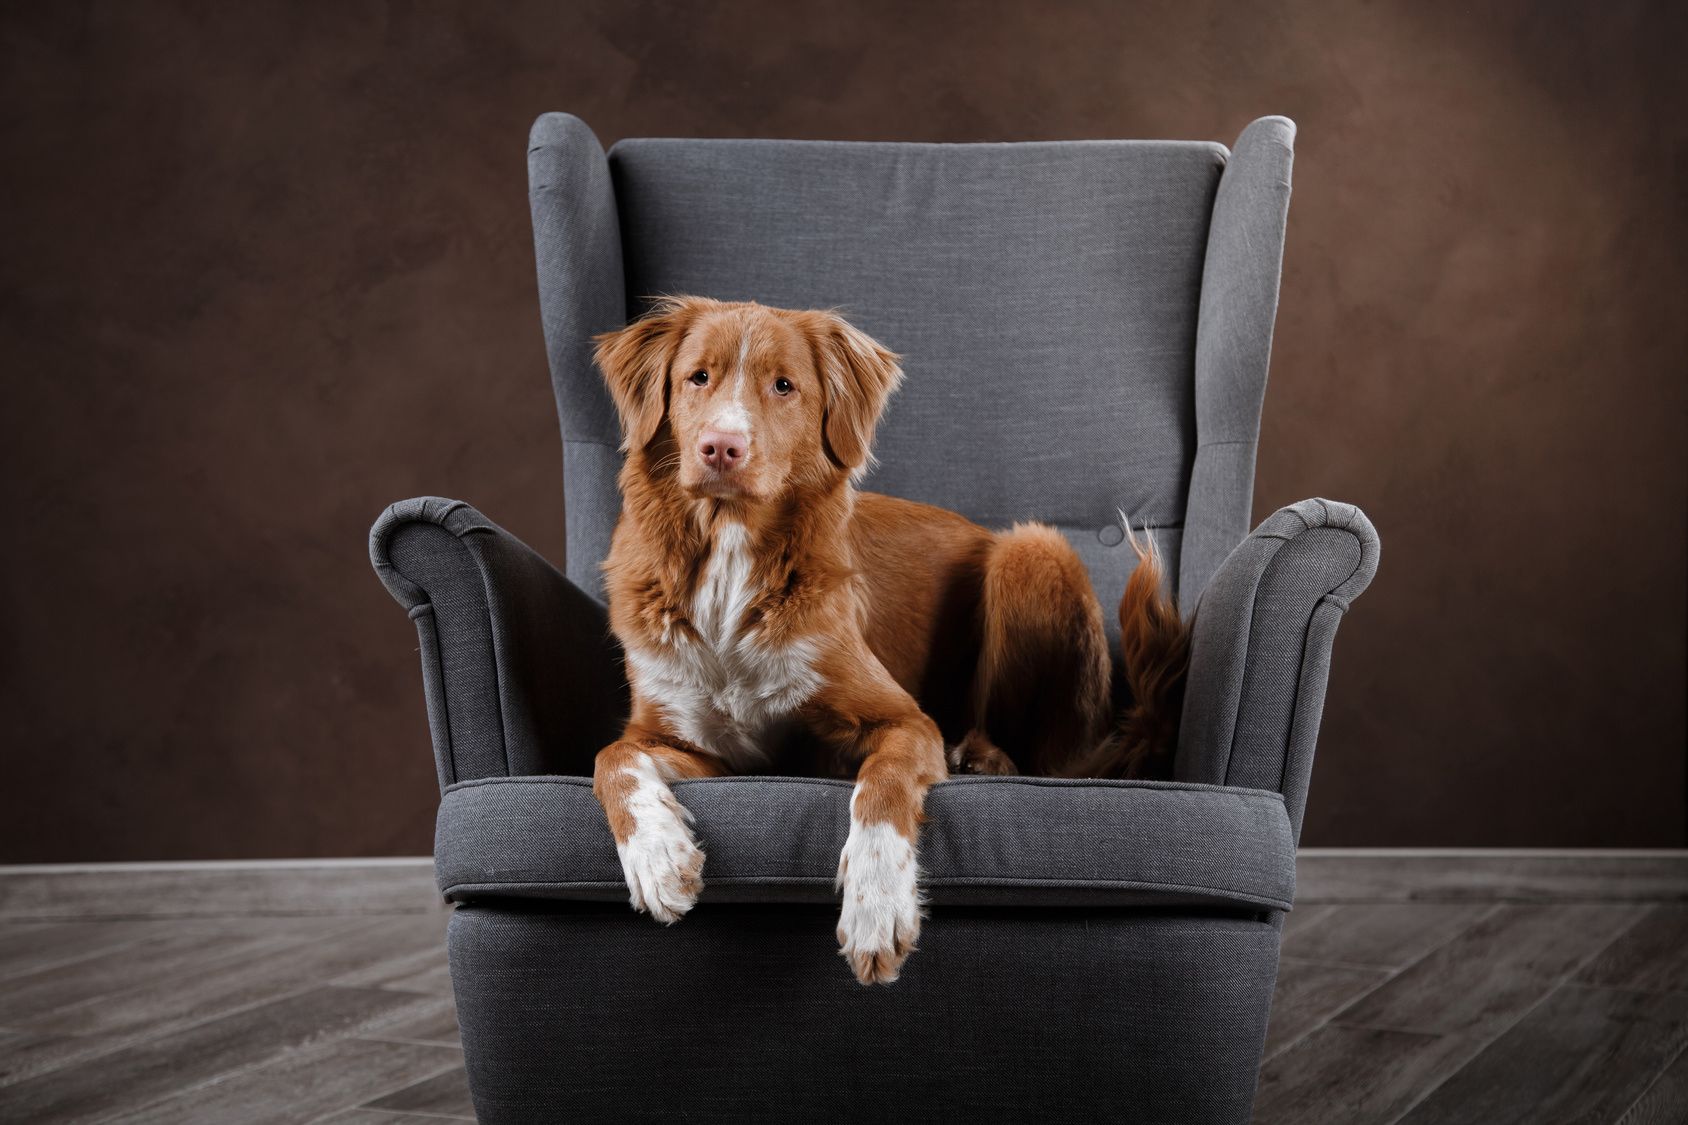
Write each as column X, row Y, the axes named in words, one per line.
column 1260, row 652
column 1239, row 303
column 1064, row 277
column 739, row 1013
column 1011, row 841
column 1043, row 297
column 519, row 670
column 577, row 248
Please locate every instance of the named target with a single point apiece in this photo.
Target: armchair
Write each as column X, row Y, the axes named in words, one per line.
column 1096, row 949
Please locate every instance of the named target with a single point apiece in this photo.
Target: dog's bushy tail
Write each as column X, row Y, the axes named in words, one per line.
column 1155, row 655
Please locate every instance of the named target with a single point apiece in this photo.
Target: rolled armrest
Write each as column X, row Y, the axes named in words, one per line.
column 520, row 671
column 1260, row 650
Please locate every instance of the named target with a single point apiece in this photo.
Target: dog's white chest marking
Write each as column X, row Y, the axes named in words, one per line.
column 723, row 688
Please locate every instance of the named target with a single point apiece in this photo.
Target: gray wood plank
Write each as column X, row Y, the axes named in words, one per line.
column 171, row 953
column 1488, row 976
column 1308, row 993
column 258, row 974
column 187, row 889
column 23, row 1053
column 144, row 1072
column 1390, row 935
column 303, row 927
column 1665, row 1102
column 28, row 948
column 304, row 1084
column 36, row 1052
column 433, row 978
column 1353, row 1075
column 1303, row 920
column 1614, row 876
column 437, row 1026
column 445, row 1095
column 363, row 1115
column 1584, row 1054
column 421, row 971
column 1651, row 955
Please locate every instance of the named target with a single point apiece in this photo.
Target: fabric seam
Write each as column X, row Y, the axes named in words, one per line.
column 807, row 881
column 1241, row 792
column 426, row 609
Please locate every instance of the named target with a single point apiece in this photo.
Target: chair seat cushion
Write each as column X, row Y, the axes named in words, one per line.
column 987, row 840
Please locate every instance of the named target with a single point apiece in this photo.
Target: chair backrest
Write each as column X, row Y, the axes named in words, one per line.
column 1059, row 307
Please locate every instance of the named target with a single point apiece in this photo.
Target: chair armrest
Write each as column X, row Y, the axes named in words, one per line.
column 519, row 668
column 1260, row 649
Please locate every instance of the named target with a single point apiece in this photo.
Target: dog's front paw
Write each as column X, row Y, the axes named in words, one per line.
column 880, row 921
column 662, row 863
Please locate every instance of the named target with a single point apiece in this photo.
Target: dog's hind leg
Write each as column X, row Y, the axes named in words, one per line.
column 1041, row 689
column 976, row 753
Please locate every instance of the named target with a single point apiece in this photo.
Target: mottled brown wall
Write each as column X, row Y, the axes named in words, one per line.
column 266, row 268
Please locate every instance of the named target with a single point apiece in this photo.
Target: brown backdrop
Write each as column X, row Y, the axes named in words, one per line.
column 265, row 269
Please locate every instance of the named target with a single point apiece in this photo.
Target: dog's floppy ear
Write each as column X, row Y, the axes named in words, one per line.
column 858, row 374
column 635, row 363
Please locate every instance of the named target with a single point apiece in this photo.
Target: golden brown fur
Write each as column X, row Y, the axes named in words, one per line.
column 747, row 568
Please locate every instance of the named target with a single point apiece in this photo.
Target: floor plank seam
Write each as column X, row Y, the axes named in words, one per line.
column 253, row 954
column 219, row 1078
column 274, row 1059
column 1674, row 899
column 122, row 1041
column 1594, row 987
column 1559, row 983
column 1623, row 1118
column 365, row 1104
column 411, row 1041
column 1366, row 1025
column 188, row 916
column 1368, row 966
column 1334, row 1017
column 172, row 1027
column 397, row 1113
column 64, row 963
column 1331, row 1017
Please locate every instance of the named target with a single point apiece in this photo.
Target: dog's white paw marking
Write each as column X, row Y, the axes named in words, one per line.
column 880, row 921
column 662, row 863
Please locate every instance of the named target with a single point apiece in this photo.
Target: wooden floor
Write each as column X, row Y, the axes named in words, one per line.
column 1419, row 988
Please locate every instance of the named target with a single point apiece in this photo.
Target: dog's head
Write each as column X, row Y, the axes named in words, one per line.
column 737, row 400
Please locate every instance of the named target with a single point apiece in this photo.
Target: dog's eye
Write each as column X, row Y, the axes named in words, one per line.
column 700, row 378
column 782, row 386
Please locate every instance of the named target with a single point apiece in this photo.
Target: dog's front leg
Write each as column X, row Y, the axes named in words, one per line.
column 659, row 857
column 900, row 755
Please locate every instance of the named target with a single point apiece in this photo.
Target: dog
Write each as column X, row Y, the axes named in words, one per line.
column 774, row 617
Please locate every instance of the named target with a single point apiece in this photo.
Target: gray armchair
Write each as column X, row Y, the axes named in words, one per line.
column 1085, row 328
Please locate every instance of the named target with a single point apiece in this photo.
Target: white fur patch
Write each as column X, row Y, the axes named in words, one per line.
column 724, row 594
column 732, row 416
column 725, row 690
column 880, row 920
column 662, row 863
